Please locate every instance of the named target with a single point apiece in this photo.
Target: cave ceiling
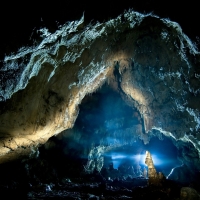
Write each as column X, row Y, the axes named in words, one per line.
column 149, row 60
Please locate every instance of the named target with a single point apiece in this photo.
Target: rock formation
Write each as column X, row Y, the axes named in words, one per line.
column 189, row 193
column 151, row 169
column 154, row 177
column 149, row 60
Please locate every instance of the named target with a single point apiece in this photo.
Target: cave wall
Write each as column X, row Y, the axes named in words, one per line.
column 147, row 58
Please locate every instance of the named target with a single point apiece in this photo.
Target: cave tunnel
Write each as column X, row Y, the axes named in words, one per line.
column 105, row 111
column 105, row 145
column 108, row 125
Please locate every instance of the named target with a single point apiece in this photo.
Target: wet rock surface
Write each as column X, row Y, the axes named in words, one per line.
column 149, row 59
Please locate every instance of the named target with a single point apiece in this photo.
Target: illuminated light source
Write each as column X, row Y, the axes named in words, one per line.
column 118, row 157
column 156, row 160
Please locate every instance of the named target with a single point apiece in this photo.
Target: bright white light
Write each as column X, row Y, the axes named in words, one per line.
column 142, row 159
column 118, row 156
column 157, row 160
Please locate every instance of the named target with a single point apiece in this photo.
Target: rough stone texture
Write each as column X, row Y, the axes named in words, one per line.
column 188, row 193
column 154, row 64
column 151, row 169
column 155, row 178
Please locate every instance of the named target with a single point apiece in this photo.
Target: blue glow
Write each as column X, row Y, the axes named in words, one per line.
column 163, row 153
column 158, row 159
column 162, row 162
column 116, row 164
column 114, row 157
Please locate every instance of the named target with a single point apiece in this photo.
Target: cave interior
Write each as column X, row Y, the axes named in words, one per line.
column 108, row 116
column 102, row 152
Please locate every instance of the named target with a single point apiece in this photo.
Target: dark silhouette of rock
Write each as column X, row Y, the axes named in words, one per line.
column 188, row 193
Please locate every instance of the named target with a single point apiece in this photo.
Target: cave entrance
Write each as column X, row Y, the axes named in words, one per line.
column 107, row 135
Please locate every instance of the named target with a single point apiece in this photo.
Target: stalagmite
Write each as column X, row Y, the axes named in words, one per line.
column 155, row 178
column 149, row 162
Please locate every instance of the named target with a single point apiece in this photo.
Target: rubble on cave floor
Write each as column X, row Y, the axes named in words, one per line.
column 115, row 189
column 107, row 190
column 94, row 186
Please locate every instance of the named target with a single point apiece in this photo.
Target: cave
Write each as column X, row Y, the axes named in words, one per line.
column 102, row 111
column 107, row 132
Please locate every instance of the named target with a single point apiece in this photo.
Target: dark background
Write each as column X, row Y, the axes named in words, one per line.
column 19, row 20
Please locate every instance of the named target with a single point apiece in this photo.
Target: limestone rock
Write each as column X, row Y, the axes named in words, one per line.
column 155, row 178
column 151, row 169
column 188, row 193
column 149, row 59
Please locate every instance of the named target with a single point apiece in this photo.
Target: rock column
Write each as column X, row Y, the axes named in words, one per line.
column 151, row 169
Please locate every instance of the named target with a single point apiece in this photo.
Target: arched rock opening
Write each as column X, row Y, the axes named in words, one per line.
column 110, row 131
column 150, row 60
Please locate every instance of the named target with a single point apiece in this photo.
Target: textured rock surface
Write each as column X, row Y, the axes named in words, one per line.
column 189, row 193
column 149, row 59
column 151, row 169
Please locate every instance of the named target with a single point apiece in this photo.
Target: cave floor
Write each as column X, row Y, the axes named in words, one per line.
column 136, row 188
